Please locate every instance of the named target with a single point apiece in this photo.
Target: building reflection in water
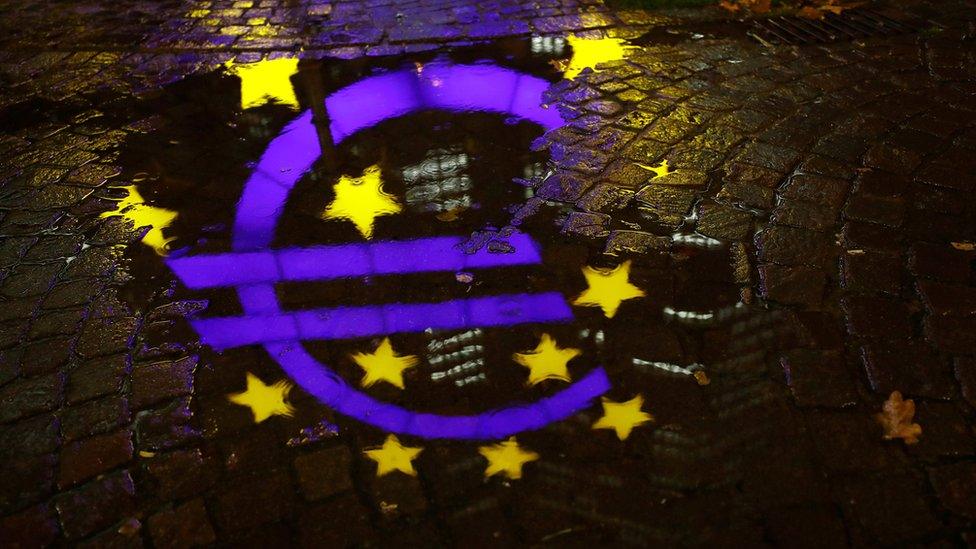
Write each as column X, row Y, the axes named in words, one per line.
column 440, row 169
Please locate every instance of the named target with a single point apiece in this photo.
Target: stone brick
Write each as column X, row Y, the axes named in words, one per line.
column 46, row 355
column 96, row 416
column 812, row 527
column 97, row 377
column 872, row 273
column 32, row 527
column 324, row 472
column 635, row 242
column 945, row 433
column 27, row 480
column 316, row 525
column 892, row 510
column 184, row 526
column 587, row 224
column 669, row 205
column 877, row 317
column 804, row 215
column 818, row 378
column 258, row 450
column 38, row 435
column 152, row 383
column 724, row 223
column 86, row 458
column 868, row 236
column 96, row 505
column 952, row 334
column 166, row 427
column 851, row 442
column 253, row 502
column 947, row 299
column 54, row 323
column 912, row 368
column 181, row 474
column 816, row 189
column 30, row 396
column 877, row 183
column 792, row 246
column 965, row 370
column 875, row 209
column 792, row 285
column 564, row 186
column 106, row 336
column 125, row 535
column 605, row 198
column 955, row 486
column 892, row 159
column 780, row 159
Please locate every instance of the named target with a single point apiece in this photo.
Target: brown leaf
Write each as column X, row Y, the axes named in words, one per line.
column 964, row 246
column 730, row 6
column 702, row 378
column 896, row 419
column 450, row 215
column 810, row 12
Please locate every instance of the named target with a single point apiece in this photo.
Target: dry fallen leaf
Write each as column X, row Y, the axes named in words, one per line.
column 730, row 6
column 450, row 215
column 702, row 378
column 896, row 419
column 964, row 246
column 810, row 12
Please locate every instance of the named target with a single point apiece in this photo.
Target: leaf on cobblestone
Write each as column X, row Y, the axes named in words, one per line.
column 964, row 246
column 753, row 6
column 896, row 419
column 818, row 9
column 730, row 6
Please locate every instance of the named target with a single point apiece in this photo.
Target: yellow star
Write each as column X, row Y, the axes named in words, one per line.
column 622, row 417
column 506, row 458
column 266, row 80
column 384, row 365
column 590, row 52
column 608, row 288
column 660, row 170
column 361, row 200
column 264, row 400
column 393, row 456
column 134, row 208
column 546, row 361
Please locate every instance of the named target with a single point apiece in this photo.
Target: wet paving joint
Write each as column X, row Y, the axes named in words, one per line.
column 635, row 285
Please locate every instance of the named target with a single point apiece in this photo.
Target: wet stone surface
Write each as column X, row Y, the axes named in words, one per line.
column 180, row 219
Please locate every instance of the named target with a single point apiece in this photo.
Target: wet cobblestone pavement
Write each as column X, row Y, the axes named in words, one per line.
column 674, row 277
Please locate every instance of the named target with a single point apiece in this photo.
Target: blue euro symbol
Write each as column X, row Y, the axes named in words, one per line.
column 253, row 269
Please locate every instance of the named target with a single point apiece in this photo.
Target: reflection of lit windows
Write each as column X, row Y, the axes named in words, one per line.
column 438, row 183
column 458, row 357
column 533, row 172
column 548, row 44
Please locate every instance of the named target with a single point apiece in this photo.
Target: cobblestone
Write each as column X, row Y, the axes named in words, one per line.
column 841, row 176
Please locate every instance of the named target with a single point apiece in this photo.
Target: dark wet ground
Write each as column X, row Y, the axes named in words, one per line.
column 724, row 334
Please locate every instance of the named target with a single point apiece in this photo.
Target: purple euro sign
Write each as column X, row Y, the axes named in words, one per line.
column 253, row 269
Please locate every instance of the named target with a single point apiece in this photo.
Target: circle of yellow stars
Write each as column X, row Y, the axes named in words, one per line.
column 361, row 200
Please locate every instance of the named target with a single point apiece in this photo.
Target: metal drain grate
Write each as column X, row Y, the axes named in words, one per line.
column 851, row 25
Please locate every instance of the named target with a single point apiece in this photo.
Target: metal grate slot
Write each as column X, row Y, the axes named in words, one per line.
column 855, row 24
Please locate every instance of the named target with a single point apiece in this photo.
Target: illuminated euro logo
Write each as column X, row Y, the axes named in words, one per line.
column 253, row 268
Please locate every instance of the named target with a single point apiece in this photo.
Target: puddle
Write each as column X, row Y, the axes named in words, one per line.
column 346, row 219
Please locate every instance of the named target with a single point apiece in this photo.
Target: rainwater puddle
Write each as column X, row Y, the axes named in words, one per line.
column 343, row 222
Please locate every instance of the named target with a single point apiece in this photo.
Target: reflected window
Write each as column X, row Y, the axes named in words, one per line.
column 553, row 45
column 457, row 357
column 439, row 182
